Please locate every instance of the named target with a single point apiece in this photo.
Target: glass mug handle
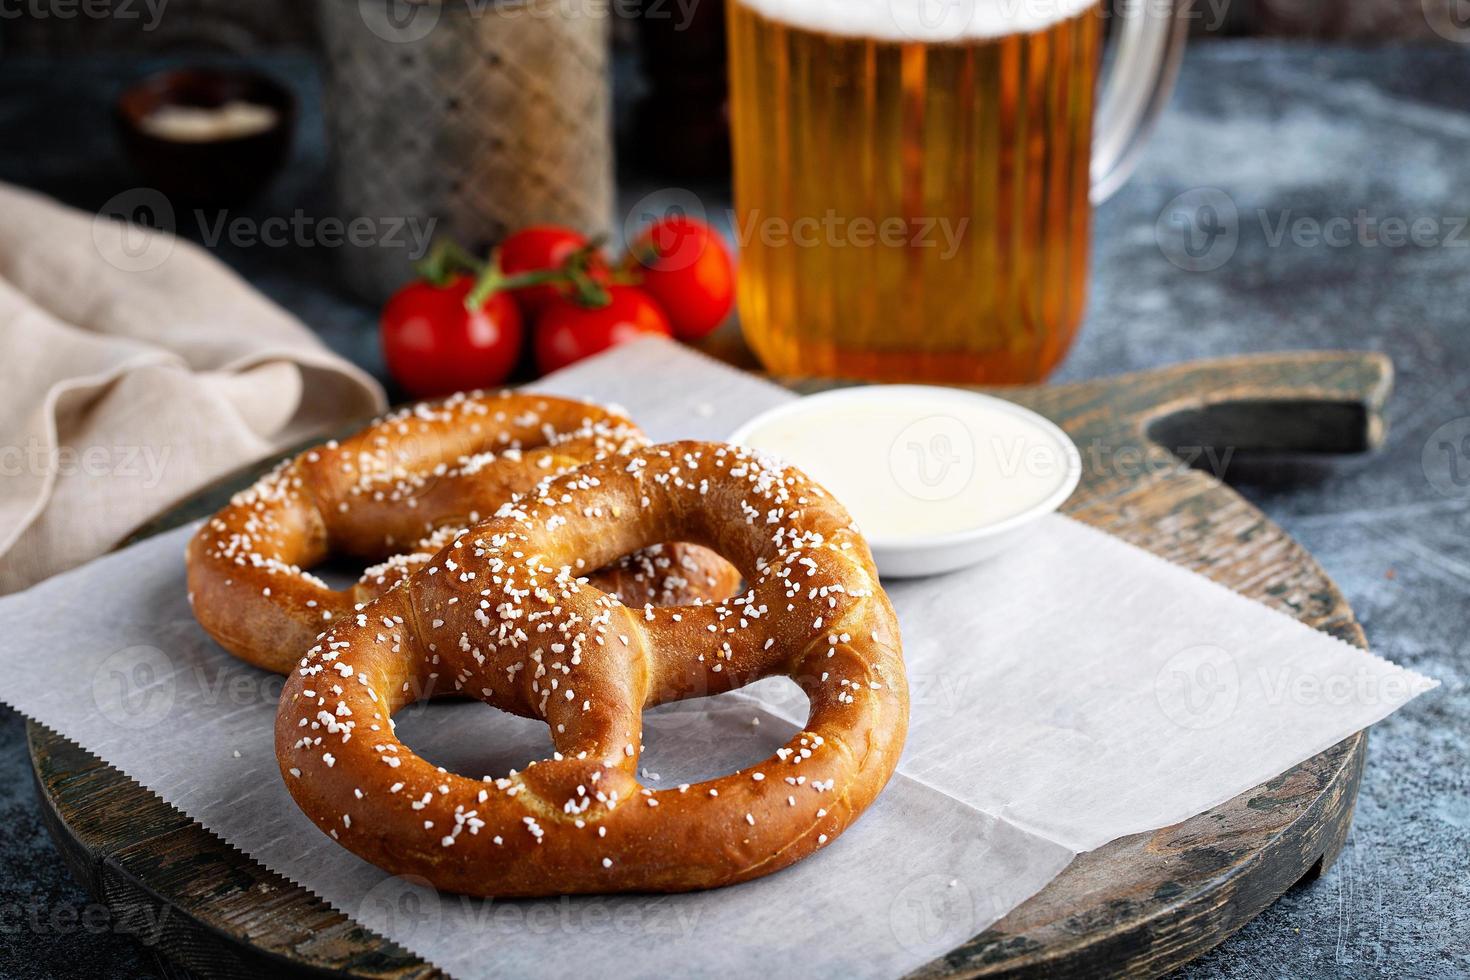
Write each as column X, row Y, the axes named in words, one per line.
column 1147, row 47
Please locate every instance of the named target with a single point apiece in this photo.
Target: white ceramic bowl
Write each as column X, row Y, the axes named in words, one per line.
column 909, row 555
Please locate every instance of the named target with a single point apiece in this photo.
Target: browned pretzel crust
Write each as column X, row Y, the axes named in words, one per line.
column 501, row 610
column 389, row 488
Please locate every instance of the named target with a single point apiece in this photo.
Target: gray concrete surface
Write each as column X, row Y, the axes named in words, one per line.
column 1292, row 138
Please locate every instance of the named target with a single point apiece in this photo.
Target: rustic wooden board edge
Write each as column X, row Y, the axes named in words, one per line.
column 226, row 947
column 1171, row 935
column 1344, row 393
column 1351, row 389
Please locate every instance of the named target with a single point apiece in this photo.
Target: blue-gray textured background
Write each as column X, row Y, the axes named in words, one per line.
column 1282, row 132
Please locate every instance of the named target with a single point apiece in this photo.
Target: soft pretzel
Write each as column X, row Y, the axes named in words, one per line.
column 501, row 610
column 392, row 486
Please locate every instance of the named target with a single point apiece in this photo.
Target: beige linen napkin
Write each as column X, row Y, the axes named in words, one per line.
column 134, row 368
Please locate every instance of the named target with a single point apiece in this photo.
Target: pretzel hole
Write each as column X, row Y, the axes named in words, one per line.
column 673, row 571
column 341, row 572
column 704, row 738
column 471, row 738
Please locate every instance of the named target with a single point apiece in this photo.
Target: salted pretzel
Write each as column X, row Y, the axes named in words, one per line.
column 502, row 610
column 408, row 481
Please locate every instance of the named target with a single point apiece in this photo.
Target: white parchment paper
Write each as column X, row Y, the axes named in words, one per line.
column 1066, row 693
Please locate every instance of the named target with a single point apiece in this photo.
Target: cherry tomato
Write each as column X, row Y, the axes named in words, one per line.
column 568, row 332
column 533, row 249
column 434, row 346
column 688, row 270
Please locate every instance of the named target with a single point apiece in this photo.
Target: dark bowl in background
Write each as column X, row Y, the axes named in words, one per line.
column 214, row 172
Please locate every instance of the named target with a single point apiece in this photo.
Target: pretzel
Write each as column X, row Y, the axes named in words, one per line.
column 404, row 481
column 501, row 610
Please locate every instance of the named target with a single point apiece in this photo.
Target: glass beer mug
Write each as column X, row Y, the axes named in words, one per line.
column 914, row 178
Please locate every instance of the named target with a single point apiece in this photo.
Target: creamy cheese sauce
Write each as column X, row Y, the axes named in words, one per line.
column 914, row 462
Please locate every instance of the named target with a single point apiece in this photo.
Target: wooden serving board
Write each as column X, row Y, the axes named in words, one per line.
column 1139, row 906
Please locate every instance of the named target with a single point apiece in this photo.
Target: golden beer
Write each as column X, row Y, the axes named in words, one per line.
column 911, row 209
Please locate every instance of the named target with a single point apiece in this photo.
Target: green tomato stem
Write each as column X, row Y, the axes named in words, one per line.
column 491, row 281
column 446, row 258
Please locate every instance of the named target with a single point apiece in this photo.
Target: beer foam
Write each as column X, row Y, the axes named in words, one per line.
column 923, row 21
